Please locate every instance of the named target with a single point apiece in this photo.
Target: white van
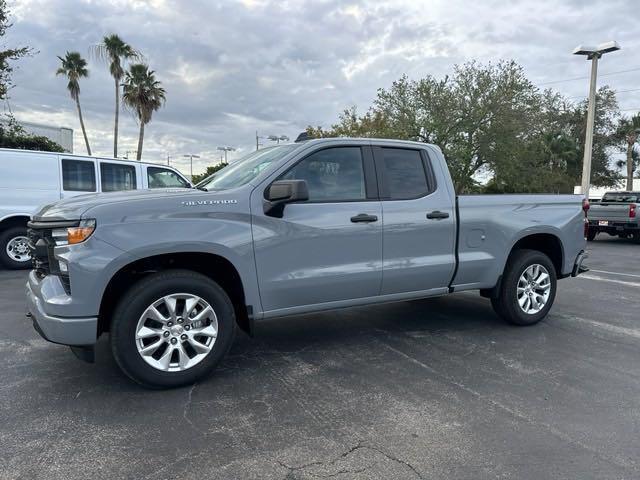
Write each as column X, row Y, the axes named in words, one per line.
column 30, row 179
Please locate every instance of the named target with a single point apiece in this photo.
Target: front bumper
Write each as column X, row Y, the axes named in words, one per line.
column 67, row 331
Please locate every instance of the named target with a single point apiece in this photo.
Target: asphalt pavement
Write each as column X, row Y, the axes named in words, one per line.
column 437, row 388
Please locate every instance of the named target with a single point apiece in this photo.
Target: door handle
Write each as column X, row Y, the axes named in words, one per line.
column 437, row 215
column 364, row 218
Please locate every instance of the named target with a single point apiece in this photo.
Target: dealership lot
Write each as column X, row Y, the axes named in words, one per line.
column 437, row 388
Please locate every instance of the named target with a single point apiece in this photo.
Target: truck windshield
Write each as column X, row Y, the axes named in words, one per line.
column 246, row 169
column 621, row 197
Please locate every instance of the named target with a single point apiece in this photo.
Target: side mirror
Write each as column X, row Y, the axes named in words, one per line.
column 281, row 192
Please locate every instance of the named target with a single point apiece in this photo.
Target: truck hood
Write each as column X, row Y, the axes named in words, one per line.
column 73, row 208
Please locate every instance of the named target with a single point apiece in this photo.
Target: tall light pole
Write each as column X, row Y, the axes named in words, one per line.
column 225, row 150
column 191, row 157
column 593, row 54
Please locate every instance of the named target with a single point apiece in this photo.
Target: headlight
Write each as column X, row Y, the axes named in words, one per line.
column 73, row 235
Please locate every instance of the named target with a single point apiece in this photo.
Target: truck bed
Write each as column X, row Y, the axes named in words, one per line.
column 489, row 226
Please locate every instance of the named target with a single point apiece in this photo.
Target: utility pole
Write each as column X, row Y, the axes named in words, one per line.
column 588, row 141
column 593, row 54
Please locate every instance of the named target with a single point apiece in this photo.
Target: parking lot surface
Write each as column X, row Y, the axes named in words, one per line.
column 437, row 388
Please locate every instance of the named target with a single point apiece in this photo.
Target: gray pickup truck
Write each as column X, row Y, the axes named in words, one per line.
column 618, row 214
column 292, row 229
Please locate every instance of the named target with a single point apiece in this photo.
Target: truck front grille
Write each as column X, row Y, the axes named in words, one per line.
column 41, row 245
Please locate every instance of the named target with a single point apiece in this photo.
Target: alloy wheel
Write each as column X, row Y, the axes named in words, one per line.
column 176, row 332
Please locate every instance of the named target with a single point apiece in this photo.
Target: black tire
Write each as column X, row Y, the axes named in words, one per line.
column 591, row 235
column 506, row 304
column 144, row 293
column 5, row 237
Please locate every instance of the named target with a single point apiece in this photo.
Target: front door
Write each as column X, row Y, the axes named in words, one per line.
column 329, row 248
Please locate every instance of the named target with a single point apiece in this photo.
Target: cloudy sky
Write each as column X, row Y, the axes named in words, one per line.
column 233, row 67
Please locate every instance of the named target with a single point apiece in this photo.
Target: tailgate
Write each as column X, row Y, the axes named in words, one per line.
column 609, row 211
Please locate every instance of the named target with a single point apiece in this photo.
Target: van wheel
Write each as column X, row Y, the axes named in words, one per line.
column 528, row 288
column 172, row 328
column 591, row 235
column 14, row 248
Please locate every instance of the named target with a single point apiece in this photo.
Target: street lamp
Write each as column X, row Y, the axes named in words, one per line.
column 225, row 150
column 276, row 138
column 191, row 157
column 273, row 138
column 593, row 54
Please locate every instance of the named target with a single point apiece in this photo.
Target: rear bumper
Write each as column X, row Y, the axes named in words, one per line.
column 66, row 331
column 578, row 266
column 613, row 226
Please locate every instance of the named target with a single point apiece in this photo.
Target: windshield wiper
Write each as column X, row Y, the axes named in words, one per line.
column 201, row 188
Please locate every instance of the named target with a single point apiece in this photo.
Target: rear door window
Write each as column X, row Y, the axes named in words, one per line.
column 116, row 176
column 405, row 174
column 78, row 175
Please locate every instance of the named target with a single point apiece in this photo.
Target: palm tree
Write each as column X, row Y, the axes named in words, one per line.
column 143, row 95
column 74, row 67
column 629, row 130
column 115, row 52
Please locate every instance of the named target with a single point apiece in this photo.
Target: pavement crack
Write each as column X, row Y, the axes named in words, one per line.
column 343, row 471
column 187, row 406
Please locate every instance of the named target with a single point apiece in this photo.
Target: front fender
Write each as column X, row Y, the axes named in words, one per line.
column 228, row 238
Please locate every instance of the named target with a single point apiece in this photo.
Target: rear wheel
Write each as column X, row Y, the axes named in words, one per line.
column 14, row 248
column 591, row 235
column 172, row 328
column 528, row 288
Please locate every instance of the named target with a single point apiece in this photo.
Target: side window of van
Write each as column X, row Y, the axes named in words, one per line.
column 116, row 176
column 78, row 176
column 164, row 178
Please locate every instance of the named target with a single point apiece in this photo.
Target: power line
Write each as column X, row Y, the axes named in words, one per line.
column 614, row 91
column 584, row 78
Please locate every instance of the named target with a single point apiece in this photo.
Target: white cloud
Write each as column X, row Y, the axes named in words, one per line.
column 233, row 67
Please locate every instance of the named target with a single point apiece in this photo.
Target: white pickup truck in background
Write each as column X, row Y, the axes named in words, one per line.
column 30, row 179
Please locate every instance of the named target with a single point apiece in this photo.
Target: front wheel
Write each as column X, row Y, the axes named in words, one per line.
column 528, row 288
column 14, row 248
column 172, row 328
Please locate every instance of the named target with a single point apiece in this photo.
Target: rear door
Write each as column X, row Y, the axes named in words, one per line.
column 419, row 223
column 329, row 248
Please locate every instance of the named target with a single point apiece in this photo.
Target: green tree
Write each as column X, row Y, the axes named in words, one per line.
column 627, row 131
column 492, row 124
column 143, row 95
column 116, row 52
column 210, row 171
column 74, row 67
column 7, row 57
